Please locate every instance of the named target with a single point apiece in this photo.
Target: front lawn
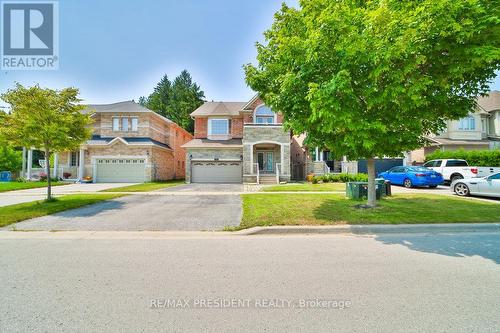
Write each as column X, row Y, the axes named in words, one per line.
column 306, row 187
column 146, row 187
column 12, row 186
column 328, row 209
column 20, row 212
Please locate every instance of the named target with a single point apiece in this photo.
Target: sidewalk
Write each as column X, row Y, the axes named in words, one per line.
column 35, row 194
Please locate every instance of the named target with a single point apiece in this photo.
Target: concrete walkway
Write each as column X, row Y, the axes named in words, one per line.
column 34, row 194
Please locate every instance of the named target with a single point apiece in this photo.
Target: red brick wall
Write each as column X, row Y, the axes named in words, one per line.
column 179, row 137
column 237, row 128
column 200, row 128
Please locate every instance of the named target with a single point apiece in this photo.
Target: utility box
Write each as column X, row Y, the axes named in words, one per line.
column 359, row 190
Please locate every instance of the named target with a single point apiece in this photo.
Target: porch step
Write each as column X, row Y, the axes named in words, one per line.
column 267, row 180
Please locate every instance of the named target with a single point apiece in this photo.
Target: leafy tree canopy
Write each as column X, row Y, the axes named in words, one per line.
column 176, row 100
column 45, row 119
column 371, row 78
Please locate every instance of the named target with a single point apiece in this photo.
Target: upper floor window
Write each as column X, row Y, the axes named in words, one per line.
column 116, row 124
column 467, row 124
column 264, row 115
column 135, row 124
column 125, row 124
column 219, row 127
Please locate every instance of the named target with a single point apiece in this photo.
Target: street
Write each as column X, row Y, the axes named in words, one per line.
column 87, row 281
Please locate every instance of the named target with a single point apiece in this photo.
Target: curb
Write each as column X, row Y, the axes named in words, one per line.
column 374, row 229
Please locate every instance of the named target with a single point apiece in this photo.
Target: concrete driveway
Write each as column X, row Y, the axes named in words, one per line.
column 34, row 194
column 145, row 212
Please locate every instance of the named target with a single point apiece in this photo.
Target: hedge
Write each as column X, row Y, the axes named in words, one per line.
column 341, row 178
column 489, row 158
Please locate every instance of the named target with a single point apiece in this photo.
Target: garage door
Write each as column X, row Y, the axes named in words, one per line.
column 120, row 170
column 216, row 172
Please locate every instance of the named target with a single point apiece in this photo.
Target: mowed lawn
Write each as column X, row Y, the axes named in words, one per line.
column 146, row 187
column 13, row 186
column 324, row 209
column 20, row 212
column 306, row 187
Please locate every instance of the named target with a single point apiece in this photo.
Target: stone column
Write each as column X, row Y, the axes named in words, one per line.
column 55, row 166
column 321, row 156
column 81, row 164
column 30, row 163
column 317, row 155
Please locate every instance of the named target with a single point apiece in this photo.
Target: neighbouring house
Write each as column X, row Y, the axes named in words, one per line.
column 480, row 130
column 130, row 143
column 237, row 142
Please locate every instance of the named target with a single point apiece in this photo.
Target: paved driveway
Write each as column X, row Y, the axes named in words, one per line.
column 216, row 188
column 34, row 194
column 146, row 212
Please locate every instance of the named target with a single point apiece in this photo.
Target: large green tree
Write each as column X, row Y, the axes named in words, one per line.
column 176, row 100
column 371, row 78
column 45, row 119
column 10, row 158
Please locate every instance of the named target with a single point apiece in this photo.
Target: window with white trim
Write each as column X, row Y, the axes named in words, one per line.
column 116, row 124
column 467, row 124
column 125, row 124
column 134, row 124
column 264, row 115
column 219, row 127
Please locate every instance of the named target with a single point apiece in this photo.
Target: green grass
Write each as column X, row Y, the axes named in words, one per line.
column 328, row 209
column 146, row 187
column 12, row 186
column 306, row 187
column 15, row 213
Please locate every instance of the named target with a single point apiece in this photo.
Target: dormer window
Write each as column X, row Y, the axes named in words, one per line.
column 264, row 115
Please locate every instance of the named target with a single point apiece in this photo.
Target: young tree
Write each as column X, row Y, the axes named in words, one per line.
column 176, row 100
column 10, row 159
column 370, row 78
column 46, row 119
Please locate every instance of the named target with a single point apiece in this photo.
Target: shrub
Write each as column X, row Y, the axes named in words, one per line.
column 489, row 158
column 345, row 177
column 315, row 180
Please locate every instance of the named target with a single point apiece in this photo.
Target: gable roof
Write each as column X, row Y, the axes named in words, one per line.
column 218, row 109
column 491, row 102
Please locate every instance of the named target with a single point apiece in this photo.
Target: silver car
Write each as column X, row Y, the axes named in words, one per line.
column 485, row 186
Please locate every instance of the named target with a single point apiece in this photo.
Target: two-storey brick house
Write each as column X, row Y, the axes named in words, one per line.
column 129, row 144
column 237, row 142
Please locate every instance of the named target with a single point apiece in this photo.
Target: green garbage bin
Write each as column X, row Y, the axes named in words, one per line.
column 380, row 184
column 359, row 190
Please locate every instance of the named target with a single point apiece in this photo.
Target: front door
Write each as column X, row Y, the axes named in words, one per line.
column 265, row 160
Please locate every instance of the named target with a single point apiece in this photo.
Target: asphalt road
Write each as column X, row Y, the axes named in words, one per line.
column 391, row 283
column 142, row 212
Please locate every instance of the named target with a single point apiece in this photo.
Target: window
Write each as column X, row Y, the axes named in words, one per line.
column 125, row 124
column 264, row 115
column 485, row 126
column 397, row 170
column 116, row 124
column 467, row 124
column 433, row 164
column 73, row 160
column 495, row 176
column 456, row 163
column 219, row 127
column 135, row 123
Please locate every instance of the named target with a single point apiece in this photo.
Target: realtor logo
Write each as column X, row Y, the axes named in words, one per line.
column 29, row 35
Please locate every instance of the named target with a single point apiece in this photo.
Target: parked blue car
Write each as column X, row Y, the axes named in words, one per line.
column 410, row 176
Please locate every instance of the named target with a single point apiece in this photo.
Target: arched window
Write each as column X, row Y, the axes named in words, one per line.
column 264, row 115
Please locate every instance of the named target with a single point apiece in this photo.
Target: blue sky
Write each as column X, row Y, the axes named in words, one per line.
column 118, row 50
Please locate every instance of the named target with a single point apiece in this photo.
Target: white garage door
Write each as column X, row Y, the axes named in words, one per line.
column 216, row 172
column 120, row 170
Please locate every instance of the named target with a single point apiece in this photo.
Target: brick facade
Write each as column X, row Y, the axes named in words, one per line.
column 200, row 128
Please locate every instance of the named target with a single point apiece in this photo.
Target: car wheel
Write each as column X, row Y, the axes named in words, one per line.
column 456, row 177
column 462, row 190
column 433, row 186
column 407, row 183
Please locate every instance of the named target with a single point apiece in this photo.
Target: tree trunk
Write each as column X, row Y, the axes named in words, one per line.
column 47, row 170
column 372, row 195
